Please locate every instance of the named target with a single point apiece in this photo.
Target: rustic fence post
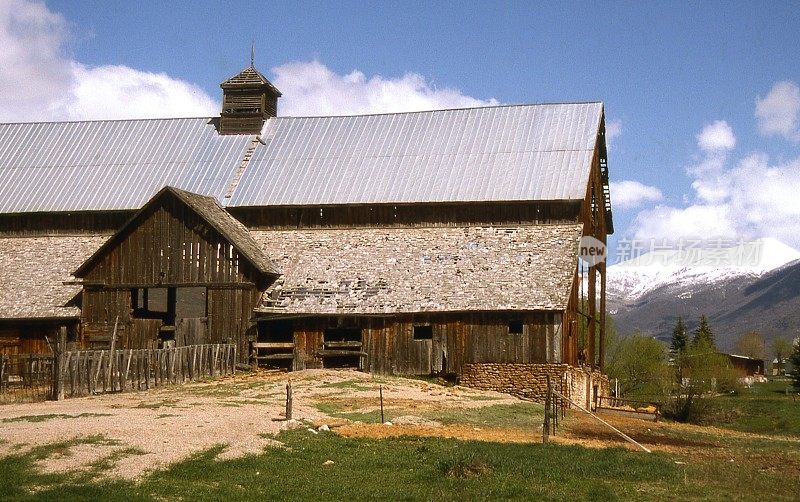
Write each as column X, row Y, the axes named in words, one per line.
column 380, row 390
column 110, row 367
column 58, row 362
column 3, row 373
column 547, row 404
column 289, row 400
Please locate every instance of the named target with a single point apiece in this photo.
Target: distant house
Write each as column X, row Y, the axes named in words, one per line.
column 779, row 366
column 404, row 243
column 750, row 369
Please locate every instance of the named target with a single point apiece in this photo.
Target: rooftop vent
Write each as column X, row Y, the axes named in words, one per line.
column 248, row 99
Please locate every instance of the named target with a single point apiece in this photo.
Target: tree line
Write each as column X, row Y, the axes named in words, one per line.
column 685, row 376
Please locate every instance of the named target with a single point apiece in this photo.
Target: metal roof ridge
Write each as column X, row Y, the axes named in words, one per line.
column 505, row 105
column 94, row 121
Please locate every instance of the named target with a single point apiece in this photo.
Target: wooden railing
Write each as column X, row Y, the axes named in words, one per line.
column 84, row 372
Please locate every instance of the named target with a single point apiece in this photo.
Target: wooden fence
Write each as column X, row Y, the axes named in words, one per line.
column 84, row 372
column 25, row 377
column 37, row 377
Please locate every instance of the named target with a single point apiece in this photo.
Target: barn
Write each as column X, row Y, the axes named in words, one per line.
column 413, row 243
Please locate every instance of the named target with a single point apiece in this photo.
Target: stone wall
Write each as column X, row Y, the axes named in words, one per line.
column 530, row 380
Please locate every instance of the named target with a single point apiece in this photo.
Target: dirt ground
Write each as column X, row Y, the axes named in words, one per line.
column 141, row 431
column 137, row 432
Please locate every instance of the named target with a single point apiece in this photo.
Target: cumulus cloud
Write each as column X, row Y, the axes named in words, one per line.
column 311, row 88
column 613, row 129
column 748, row 198
column 715, row 137
column 696, row 221
column 629, row 194
column 778, row 112
column 122, row 92
column 39, row 82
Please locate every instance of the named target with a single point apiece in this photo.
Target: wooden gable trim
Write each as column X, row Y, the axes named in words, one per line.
column 147, row 211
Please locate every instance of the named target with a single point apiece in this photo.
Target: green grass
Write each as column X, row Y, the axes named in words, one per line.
column 51, row 416
column 764, row 408
column 356, row 385
column 166, row 403
column 413, row 469
column 523, row 415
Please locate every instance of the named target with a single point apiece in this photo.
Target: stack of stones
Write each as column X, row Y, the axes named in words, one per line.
column 530, row 380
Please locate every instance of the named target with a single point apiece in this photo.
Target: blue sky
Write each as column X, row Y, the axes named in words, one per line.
column 666, row 71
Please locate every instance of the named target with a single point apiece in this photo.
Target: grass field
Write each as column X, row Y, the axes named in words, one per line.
column 413, row 469
column 584, row 462
column 764, row 408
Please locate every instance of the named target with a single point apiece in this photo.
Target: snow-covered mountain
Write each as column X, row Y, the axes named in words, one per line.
column 684, row 270
column 752, row 286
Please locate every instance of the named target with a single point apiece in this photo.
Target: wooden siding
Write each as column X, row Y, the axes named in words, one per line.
column 408, row 215
column 170, row 245
column 457, row 339
column 28, row 337
column 80, row 223
column 230, row 313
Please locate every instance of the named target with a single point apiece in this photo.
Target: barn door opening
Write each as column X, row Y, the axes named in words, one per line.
column 169, row 316
column 342, row 348
column 275, row 345
column 191, row 316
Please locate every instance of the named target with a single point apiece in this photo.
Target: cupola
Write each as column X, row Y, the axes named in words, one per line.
column 248, row 99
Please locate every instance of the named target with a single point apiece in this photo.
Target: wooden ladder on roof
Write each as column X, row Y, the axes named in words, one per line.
column 237, row 176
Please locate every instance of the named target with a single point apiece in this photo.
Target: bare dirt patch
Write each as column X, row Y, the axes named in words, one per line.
column 146, row 430
column 462, row 432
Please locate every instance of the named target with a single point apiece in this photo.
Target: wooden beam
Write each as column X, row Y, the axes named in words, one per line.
column 592, row 299
column 602, row 349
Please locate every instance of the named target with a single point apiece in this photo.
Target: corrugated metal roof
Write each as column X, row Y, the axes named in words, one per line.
column 523, row 152
column 107, row 165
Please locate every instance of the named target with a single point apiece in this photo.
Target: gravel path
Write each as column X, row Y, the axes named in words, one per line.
column 138, row 432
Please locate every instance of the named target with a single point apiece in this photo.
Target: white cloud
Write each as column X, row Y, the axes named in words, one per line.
column 629, row 194
column 778, row 112
column 717, row 136
column 121, row 92
column 613, row 129
column 311, row 88
column 747, row 199
column 38, row 82
column 696, row 221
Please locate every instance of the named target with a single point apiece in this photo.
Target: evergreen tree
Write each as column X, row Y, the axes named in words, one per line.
column 703, row 335
column 680, row 338
column 794, row 358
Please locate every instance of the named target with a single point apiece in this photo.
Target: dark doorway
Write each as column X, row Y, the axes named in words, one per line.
column 342, row 348
column 275, row 346
column 175, row 316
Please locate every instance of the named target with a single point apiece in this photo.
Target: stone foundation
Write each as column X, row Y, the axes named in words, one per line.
column 530, row 380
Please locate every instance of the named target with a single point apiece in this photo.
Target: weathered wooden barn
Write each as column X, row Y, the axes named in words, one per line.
column 405, row 243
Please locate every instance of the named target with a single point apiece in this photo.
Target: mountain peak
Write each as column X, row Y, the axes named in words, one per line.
column 700, row 263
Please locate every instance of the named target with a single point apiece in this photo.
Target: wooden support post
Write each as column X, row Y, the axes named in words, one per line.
column 547, row 403
column 147, row 362
column 289, row 400
column 3, row 358
column 110, row 367
column 602, row 349
column 58, row 364
column 592, row 319
column 380, row 389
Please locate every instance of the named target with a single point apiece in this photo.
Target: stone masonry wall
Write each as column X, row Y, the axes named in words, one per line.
column 530, row 380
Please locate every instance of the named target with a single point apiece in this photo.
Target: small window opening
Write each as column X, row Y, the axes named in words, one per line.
column 515, row 327
column 423, row 332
